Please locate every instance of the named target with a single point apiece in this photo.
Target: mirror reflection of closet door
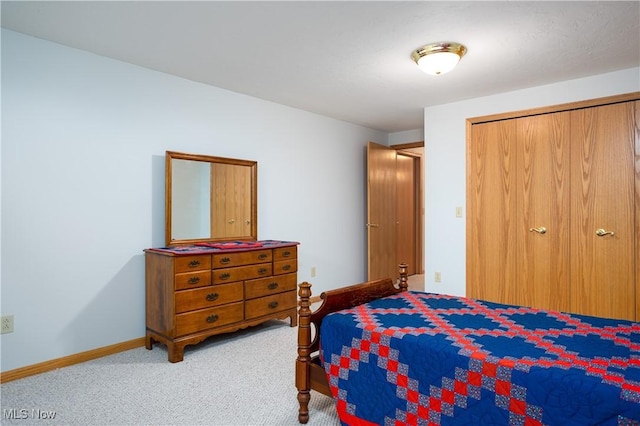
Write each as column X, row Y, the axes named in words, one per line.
column 230, row 200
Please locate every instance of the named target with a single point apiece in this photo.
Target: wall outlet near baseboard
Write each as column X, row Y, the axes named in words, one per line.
column 6, row 324
column 438, row 277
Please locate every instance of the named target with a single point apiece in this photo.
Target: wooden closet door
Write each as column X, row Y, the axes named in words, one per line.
column 543, row 210
column 491, row 211
column 603, row 190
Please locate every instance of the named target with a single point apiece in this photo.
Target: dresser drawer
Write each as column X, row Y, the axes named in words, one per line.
column 190, row 300
column 244, row 258
column 285, row 253
column 192, row 279
column 271, row 285
column 261, row 306
column 240, row 273
column 192, row 263
column 204, row 319
column 285, row 266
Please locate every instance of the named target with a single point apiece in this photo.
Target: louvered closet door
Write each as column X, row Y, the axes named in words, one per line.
column 543, row 211
column 491, row 211
column 603, row 188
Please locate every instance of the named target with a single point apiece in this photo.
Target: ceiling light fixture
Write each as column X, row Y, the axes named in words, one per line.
column 438, row 58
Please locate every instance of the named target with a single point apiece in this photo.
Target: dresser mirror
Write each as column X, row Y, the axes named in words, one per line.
column 210, row 199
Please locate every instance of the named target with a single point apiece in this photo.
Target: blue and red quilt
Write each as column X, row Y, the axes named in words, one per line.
column 422, row 358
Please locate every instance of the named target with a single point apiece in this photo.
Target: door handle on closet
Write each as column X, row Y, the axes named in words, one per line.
column 601, row 232
column 540, row 230
column 373, row 225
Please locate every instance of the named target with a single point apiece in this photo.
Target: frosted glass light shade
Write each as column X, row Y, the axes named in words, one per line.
column 438, row 63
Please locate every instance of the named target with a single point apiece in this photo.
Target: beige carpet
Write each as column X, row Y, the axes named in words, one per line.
column 244, row 378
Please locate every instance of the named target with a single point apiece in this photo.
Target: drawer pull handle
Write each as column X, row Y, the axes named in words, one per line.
column 224, row 276
column 262, row 256
column 194, row 263
column 225, row 260
column 212, row 296
column 212, row 318
column 273, row 305
column 286, row 267
column 262, row 271
column 286, row 254
column 194, row 280
column 272, row 286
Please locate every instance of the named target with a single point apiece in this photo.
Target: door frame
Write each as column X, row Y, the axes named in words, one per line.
column 411, row 149
column 414, row 150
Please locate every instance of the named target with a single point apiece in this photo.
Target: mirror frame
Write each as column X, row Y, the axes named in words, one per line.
column 253, row 165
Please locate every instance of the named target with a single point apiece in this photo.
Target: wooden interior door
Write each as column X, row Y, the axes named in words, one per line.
column 603, row 179
column 491, row 211
column 407, row 184
column 381, row 212
column 543, row 201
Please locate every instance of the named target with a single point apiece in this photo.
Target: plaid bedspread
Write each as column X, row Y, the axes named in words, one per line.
column 421, row 358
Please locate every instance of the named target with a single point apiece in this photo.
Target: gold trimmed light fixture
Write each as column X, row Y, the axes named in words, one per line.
column 438, row 58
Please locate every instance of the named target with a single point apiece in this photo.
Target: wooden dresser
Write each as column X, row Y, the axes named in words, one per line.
column 193, row 292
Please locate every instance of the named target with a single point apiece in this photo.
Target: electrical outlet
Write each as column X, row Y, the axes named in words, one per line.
column 313, row 271
column 438, row 277
column 6, row 324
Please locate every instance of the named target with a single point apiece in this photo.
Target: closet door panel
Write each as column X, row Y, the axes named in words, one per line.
column 603, row 191
column 543, row 201
column 637, row 204
column 491, row 212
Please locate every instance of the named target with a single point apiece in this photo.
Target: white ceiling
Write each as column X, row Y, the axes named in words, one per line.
column 347, row 60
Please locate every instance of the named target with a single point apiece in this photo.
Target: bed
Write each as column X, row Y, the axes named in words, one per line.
column 388, row 355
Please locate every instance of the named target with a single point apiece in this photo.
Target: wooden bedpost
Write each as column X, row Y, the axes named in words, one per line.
column 303, row 381
column 404, row 284
column 309, row 372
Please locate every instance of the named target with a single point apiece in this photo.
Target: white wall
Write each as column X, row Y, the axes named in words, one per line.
column 83, row 144
column 397, row 138
column 445, row 149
